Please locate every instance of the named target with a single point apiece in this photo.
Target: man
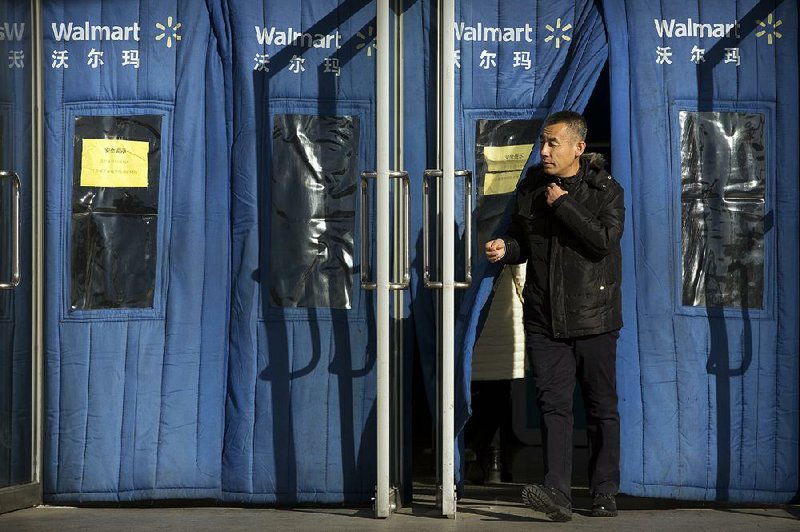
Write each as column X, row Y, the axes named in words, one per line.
column 567, row 224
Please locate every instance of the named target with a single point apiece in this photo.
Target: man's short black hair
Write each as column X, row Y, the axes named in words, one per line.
column 574, row 122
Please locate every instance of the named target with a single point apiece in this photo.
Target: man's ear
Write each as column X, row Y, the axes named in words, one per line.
column 579, row 148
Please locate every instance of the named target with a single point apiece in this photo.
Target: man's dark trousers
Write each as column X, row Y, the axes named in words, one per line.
column 555, row 364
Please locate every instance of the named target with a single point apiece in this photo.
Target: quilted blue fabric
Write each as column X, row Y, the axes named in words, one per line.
column 209, row 389
column 708, row 396
column 300, row 422
column 135, row 396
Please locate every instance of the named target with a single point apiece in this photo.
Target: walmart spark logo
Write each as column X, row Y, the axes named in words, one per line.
column 170, row 32
column 770, row 28
column 370, row 36
column 558, row 33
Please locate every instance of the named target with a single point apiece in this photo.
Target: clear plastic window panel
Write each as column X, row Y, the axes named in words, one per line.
column 502, row 148
column 312, row 211
column 723, row 178
column 117, row 161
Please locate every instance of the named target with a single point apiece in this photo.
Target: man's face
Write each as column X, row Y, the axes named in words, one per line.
column 560, row 151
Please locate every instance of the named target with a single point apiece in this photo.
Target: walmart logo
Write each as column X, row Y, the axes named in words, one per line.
column 169, row 31
column 365, row 41
column 770, row 28
column 558, row 33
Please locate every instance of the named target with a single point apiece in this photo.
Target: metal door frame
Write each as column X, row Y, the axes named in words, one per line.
column 445, row 251
column 401, row 251
column 30, row 494
column 388, row 314
column 446, row 379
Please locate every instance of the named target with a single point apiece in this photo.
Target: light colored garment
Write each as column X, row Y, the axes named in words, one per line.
column 499, row 352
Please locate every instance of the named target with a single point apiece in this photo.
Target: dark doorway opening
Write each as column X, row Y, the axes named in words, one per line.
column 524, row 449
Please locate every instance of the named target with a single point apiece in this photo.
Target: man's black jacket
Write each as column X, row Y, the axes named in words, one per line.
column 573, row 275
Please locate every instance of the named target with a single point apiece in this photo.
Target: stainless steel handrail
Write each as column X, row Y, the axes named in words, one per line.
column 426, row 184
column 403, row 283
column 15, row 230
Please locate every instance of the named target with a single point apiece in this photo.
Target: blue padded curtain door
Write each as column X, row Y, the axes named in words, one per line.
column 705, row 108
column 300, row 420
column 137, row 250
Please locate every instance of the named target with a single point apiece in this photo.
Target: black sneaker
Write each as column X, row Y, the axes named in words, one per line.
column 604, row 505
column 549, row 501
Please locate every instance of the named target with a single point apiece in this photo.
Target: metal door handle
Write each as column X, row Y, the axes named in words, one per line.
column 403, row 283
column 15, row 230
column 426, row 184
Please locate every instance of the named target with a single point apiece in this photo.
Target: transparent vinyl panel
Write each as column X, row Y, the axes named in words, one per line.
column 723, row 193
column 313, row 210
column 116, row 179
column 502, row 148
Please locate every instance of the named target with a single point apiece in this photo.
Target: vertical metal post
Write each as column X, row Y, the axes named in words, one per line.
column 400, row 251
column 447, row 135
column 37, row 232
column 382, row 95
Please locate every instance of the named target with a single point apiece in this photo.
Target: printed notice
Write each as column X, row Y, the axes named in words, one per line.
column 114, row 163
column 503, row 167
column 500, row 182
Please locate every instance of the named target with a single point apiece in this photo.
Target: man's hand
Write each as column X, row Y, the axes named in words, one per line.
column 553, row 193
column 495, row 249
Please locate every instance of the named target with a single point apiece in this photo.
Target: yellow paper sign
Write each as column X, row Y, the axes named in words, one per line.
column 500, row 182
column 503, row 158
column 114, row 163
column 503, row 165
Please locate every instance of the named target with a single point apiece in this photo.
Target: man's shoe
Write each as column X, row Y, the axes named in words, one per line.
column 604, row 505
column 549, row 501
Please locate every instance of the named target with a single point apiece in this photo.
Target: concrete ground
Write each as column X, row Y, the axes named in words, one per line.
column 490, row 507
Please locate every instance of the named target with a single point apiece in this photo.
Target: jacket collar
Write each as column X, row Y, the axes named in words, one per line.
column 593, row 167
column 592, row 171
column 570, row 183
